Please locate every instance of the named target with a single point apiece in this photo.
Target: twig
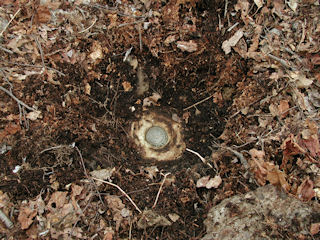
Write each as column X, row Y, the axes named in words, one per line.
column 158, row 194
column 281, row 61
column 130, row 23
column 197, row 103
column 5, row 28
column 140, row 37
column 51, row 148
column 243, row 161
column 225, row 9
column 201, row 158
column 6, row 220
column 36, row 66
column 94, row 22
column 85, row 172
column 123, row 192
column 6, row 50
column 16, row 99
column 232, row 27
column 40, row 49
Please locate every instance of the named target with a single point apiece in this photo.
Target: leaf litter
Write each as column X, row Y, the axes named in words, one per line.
column 243, row 75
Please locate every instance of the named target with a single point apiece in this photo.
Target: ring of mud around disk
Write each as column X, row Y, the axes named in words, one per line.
column 157, row 136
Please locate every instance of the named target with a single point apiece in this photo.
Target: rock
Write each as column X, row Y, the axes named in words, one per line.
column 265, row 213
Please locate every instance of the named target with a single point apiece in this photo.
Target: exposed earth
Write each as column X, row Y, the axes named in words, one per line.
column 241, row 77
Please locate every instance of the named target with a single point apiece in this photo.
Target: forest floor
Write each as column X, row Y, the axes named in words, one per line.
column 242, row 76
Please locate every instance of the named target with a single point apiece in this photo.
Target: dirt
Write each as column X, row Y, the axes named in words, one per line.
column 86, row 115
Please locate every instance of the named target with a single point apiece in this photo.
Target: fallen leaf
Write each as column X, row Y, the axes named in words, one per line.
column 26, row 215
column 305, row 191
column 315, row 228
column 170, row 39
column 214, row 182
column 231, row 42
column 259, row 3
column 96, row 51
column 283, row 108
column 301, row 79
column 151, row 172
column 278, row 178
column 43, row 14
column 208, row 182
column 293, row 4
column 103, row 174
column 243, row 6
column 151, row 100
column 290, row 148
column 150, row 218
column 87, row 88
column 189, row 46
column 127, row 86
column 202, row 182
column 117, row 208
column 57, row 201
column 34, row 115
column 173, row 217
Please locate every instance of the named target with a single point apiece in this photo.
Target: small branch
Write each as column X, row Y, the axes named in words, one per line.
column 84, row 30
column 5, row 220
column 123, row 192
column 193, row 105
column 225, row 8
column 5, row 28
column 201, row 158
column 51, row 148
column 40, row 49
column 158, row 194
column 6, row 50
column 85, row 171
column 281, row 61
column 16, row 99
column 140, row 37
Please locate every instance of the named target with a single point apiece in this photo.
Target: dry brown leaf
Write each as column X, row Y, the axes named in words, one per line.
column 283, row 108
column 152, row 172
column 290, row 148
column 203, row 181
column 243, row 6
column 315, row 228
column 214, row 182
column 96, row 51
column 305, row 191
column 10, row 129
column 267, row 171
column 310, row 138
column 255, row 40
column 118, row 209
column 208, row 182
column 34, row 115
column 151, row 100
column 278, row 178
column 150, row 218
column 189, row 46
column 87, row 89
column 57, row 201
column 301, row 79
column 259, row 3
column 231, row 42
column 127, row 86
column 26, row 215
column 170, row 39
column 43, row 14
column 315, row 60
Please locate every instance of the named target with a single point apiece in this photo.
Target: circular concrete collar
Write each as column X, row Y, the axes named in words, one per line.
column 157, row 136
